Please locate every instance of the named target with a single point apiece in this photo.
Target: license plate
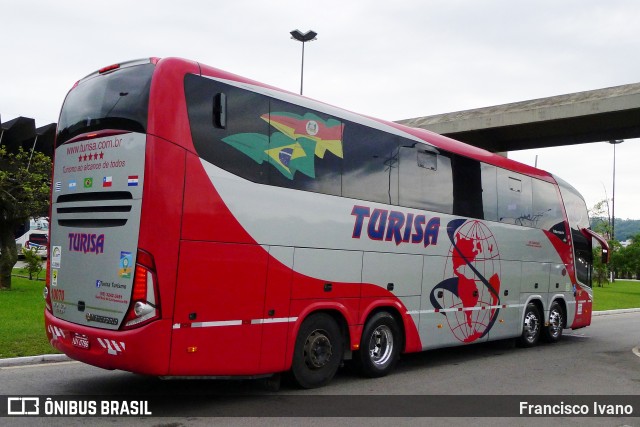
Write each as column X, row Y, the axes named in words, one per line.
column 80, row 341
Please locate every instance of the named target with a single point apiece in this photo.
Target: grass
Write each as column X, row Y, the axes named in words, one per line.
column 22, row 330
column 616, row 295
column 22, row 313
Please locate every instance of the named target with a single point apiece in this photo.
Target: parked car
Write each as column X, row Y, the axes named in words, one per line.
column 33, row 239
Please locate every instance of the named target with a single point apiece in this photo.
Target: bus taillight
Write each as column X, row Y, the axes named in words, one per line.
column 144, row 306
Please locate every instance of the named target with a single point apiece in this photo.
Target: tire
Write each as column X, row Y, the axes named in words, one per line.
column 380, row 346
column 553, row 332
column 318, row 351
column 531, row 327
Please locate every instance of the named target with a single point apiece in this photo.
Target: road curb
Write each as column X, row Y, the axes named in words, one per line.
column 53, row 358
column 620, row 311
column 33, row 360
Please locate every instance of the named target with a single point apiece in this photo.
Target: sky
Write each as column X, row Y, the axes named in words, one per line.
column 391, row 60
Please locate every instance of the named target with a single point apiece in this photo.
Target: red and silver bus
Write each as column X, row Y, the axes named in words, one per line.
column 204, row 224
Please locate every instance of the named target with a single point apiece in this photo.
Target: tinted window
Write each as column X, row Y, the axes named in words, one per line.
column 370, row 168
column 241, row 146
column 467, row 187
column 514, row 198
column 305, row 149
column 425, row 178
column 547, row 208
column 583, row 257
column 489, row 191
column 40, row 239
column 116, row 100
column 578, row 218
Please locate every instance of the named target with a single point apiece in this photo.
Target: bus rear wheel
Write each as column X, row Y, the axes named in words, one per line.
column 553, row 332
column 318, row 351
column 379, row 346
column 531, row 326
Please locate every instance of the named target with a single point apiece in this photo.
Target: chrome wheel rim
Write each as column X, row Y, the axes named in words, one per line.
column 555, row 323
column 381, row 346
column 531, row 326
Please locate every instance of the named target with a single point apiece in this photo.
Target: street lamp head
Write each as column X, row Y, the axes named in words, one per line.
column 616, row 141
column 303, row 37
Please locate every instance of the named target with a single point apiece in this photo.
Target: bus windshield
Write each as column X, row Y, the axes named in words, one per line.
column 578, row 219
column 115, row 100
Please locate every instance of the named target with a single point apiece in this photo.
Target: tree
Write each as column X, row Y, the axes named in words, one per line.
column 25, row 184
column 602, row 224
column 632, row 255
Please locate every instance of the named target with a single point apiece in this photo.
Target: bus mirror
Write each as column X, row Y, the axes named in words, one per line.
column 220, row 110
column 605, row 256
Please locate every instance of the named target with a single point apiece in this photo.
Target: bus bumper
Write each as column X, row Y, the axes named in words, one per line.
column 143, row 351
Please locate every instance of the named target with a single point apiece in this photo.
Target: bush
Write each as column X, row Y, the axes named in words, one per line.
column 33, row 262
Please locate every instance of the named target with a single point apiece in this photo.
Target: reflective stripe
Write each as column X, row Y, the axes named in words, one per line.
column 214, row 324
column 234, row 322
column 112, row 346
column 56, row 332
column 274, row 320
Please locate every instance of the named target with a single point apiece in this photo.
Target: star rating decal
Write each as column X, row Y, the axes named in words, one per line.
column 91, row 156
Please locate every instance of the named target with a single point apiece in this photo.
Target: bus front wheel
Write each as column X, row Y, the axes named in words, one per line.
column 379, row 346
column 318, row 351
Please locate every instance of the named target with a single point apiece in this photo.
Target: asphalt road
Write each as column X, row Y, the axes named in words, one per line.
column 598, row 360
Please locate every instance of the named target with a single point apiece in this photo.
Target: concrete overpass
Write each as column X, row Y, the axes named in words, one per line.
column 592, row 116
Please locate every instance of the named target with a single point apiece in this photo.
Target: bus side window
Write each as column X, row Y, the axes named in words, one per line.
column 514, row 198
column 305, row 148
column 467, row 187
column 489, row 191
column 227, row 128
column 547, row 208
column 370, row 170
column 425, row 178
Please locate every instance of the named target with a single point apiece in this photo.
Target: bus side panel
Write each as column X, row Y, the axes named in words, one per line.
column 584, row 307
column 168, row 118
column 161, row 214
column 276, row 310
column 206, row 217
column 509, row 317
column 219, row 297
column 341, row 272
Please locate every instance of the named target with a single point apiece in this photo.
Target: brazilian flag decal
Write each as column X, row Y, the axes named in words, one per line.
column 296, row 144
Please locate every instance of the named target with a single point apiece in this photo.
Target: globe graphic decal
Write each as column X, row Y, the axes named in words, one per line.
column 469, row 294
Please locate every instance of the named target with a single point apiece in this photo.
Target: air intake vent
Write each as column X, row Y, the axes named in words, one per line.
column 92, row 210
column 90, row 197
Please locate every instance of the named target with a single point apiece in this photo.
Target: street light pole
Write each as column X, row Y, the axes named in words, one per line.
column 303, row 38
column 614, row 142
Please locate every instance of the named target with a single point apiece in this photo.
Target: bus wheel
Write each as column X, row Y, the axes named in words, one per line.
column 531, row 327
column 379, row 346
column 318, row 351
column 553, row 332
